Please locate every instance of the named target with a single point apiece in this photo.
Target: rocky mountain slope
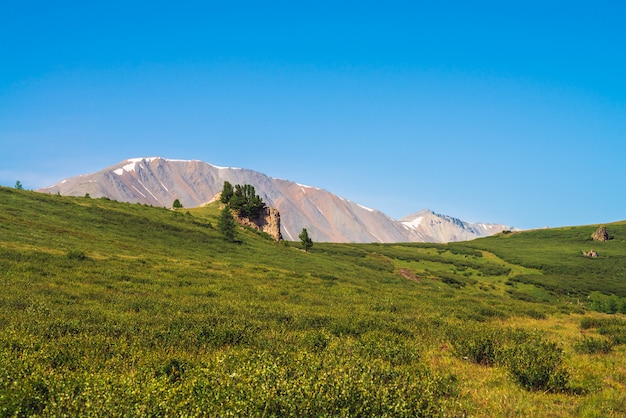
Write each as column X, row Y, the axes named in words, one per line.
column 452, row 229
column 328, row 218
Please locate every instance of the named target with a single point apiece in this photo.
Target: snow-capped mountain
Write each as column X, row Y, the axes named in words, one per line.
column 328, row 218
column 452, row 229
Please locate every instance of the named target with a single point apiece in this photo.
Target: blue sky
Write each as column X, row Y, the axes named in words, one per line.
column 500, row 112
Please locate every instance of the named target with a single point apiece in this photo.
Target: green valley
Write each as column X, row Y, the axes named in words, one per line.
column 117, row 309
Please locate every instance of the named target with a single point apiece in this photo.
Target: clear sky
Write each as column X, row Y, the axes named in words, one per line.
column 503, row 112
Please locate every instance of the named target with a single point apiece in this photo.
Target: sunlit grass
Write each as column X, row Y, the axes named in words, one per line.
column 118, row 309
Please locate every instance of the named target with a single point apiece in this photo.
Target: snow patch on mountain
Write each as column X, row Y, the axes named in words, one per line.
column 225, row 168
column 414, row 223
column 304, row 185
column 138, row 191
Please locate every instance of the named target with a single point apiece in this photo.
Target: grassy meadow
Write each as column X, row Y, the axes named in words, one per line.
column 116, row 309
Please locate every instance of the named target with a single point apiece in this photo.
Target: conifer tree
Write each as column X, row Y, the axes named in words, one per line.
column 227, row 193
column 226, row 224
column 246, row 202
column 305, row 240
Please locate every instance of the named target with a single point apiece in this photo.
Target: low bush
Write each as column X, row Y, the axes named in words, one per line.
column 479, row 345
column 452, row 281
column 612, row 328
column 535, row 314
column 76, row 255
column 174, row 369
column 590, row 345
column 537, row 365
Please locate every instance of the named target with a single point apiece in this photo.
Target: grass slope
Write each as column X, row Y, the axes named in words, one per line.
column 115, row 309
column 564, row 270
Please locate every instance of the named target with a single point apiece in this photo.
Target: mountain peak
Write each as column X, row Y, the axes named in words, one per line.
column 414, row 215
column 159, row 181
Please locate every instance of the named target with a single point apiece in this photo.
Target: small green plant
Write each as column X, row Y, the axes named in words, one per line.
column 317, row 340
column 177, row 204
column 76, row 255
column 174, row 369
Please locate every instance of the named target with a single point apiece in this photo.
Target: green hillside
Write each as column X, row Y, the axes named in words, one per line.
column 112, row 309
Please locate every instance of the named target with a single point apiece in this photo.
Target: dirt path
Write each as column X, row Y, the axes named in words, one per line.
column 408, row 274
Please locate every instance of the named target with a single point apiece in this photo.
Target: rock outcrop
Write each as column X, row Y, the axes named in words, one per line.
column 601, row 234
column 268, row 222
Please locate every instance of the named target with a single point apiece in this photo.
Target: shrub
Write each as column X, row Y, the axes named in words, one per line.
column 173, row 369
column 590, row 345
column 227, row 333
column 537, row 365
column 481, row 346
column 317, row 341
column 535, row 314
column 615, row 332
column 452, row 281
column 612, row 328
column 327, row 277
column 36, row 397
column 76, row 255
column 587, row 323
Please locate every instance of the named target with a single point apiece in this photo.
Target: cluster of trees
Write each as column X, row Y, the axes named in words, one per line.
column 243, row 200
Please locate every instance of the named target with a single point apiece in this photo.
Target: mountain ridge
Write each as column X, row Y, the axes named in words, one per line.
column 328, row 218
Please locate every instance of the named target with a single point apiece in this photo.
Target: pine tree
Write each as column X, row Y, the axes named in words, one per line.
column 226, row 224
column 305, row 240
column 246, row 202
column 177, row 204
column 227, row 193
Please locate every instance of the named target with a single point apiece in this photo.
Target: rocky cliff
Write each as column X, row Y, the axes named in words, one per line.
column 268, row 222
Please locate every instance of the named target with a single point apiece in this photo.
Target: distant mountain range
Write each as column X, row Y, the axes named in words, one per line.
column 328, row 218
